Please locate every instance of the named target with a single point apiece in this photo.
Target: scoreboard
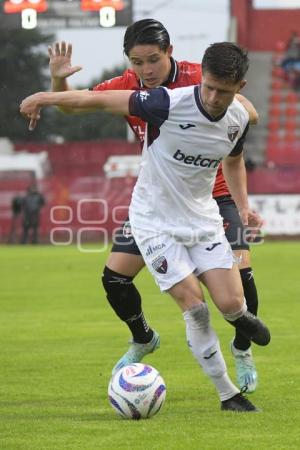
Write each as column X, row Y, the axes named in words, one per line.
column 59, row 14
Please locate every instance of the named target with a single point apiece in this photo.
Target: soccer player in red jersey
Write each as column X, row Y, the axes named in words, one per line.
column 147, row 45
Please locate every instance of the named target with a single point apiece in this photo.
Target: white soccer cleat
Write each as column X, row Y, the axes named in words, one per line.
column 245, row 369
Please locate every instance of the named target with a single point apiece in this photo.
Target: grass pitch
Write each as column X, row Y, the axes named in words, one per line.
column 60, row 339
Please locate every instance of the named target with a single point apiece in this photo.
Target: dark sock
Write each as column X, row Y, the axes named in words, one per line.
column 126, row 301
column 241, row 342
column 141, row 332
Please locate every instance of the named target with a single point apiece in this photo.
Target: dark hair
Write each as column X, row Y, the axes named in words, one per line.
column 226, row 60
column 146, row 32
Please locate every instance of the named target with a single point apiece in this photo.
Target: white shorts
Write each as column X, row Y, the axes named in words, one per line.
column 170, row 261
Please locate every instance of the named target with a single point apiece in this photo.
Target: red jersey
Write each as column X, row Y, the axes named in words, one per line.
column 183, row 73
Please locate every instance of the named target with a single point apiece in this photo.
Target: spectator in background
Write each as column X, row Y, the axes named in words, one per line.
column 16, row 209
column 250, row 165
column 31, row 208
column 291, row 61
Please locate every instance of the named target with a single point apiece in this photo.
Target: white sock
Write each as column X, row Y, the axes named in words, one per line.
column 226, row 389
column 231, row 317
column 237, row 352
column 205, row 347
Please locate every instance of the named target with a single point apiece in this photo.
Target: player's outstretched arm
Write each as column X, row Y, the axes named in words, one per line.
column 116, row 102
column 253, row 114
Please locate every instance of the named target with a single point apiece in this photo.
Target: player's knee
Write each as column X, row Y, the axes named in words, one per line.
column 187, row 297
column 232, row 302
column 121, row 293
column 116, row 285
column 197, row 317
column 233, row 297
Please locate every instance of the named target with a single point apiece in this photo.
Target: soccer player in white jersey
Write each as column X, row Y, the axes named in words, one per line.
column 175, row 220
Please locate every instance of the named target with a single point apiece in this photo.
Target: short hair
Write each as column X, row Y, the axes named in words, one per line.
column 146, row 32
column 226, row 60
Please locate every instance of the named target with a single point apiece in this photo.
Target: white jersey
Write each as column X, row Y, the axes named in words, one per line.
column 181, row 155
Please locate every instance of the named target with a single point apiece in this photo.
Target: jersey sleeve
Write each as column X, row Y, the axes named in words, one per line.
column 238, row 148
column 116, row 84
column 152, row 106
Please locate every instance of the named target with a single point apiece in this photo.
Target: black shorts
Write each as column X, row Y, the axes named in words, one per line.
column 235, row 231
column 124, row 242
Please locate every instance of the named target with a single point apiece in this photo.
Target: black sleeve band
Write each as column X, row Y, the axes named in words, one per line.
column 151, row 106
column 238, row 148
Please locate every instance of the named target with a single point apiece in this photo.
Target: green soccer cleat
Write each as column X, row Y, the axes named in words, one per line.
column 245, row 369
column 136, row 352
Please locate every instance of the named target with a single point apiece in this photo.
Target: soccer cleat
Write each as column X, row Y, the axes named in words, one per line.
column 245, row 369
column 252, row 328
column 136, row 352
column 238, row 403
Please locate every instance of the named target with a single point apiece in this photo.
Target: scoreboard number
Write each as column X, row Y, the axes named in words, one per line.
column 107, row 16
column 29, row 19
column 59, row 14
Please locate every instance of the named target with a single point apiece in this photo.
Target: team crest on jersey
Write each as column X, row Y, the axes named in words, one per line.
column 127, row 230
column 233, row 132
column 160, row 264
column 143, row 95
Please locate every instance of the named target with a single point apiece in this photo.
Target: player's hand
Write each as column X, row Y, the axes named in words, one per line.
column 252, row 220
column 30, row 109
column 60, row 60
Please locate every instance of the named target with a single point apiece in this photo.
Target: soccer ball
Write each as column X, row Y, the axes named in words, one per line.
column 137, row 391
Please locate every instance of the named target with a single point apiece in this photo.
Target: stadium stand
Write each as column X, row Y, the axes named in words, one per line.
column 283, row 140
column 77, row 178
column 272, row 149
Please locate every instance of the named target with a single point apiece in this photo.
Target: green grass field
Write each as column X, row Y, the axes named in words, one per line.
column 60, row 339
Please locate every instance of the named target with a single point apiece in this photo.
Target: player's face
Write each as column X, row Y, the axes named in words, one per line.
column 218, row 94
column 151, row 64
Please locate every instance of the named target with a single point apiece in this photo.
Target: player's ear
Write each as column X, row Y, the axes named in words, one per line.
column 243, row 84
column 170, row 50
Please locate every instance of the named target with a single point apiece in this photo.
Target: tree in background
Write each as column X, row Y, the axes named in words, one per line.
column 24, row 70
